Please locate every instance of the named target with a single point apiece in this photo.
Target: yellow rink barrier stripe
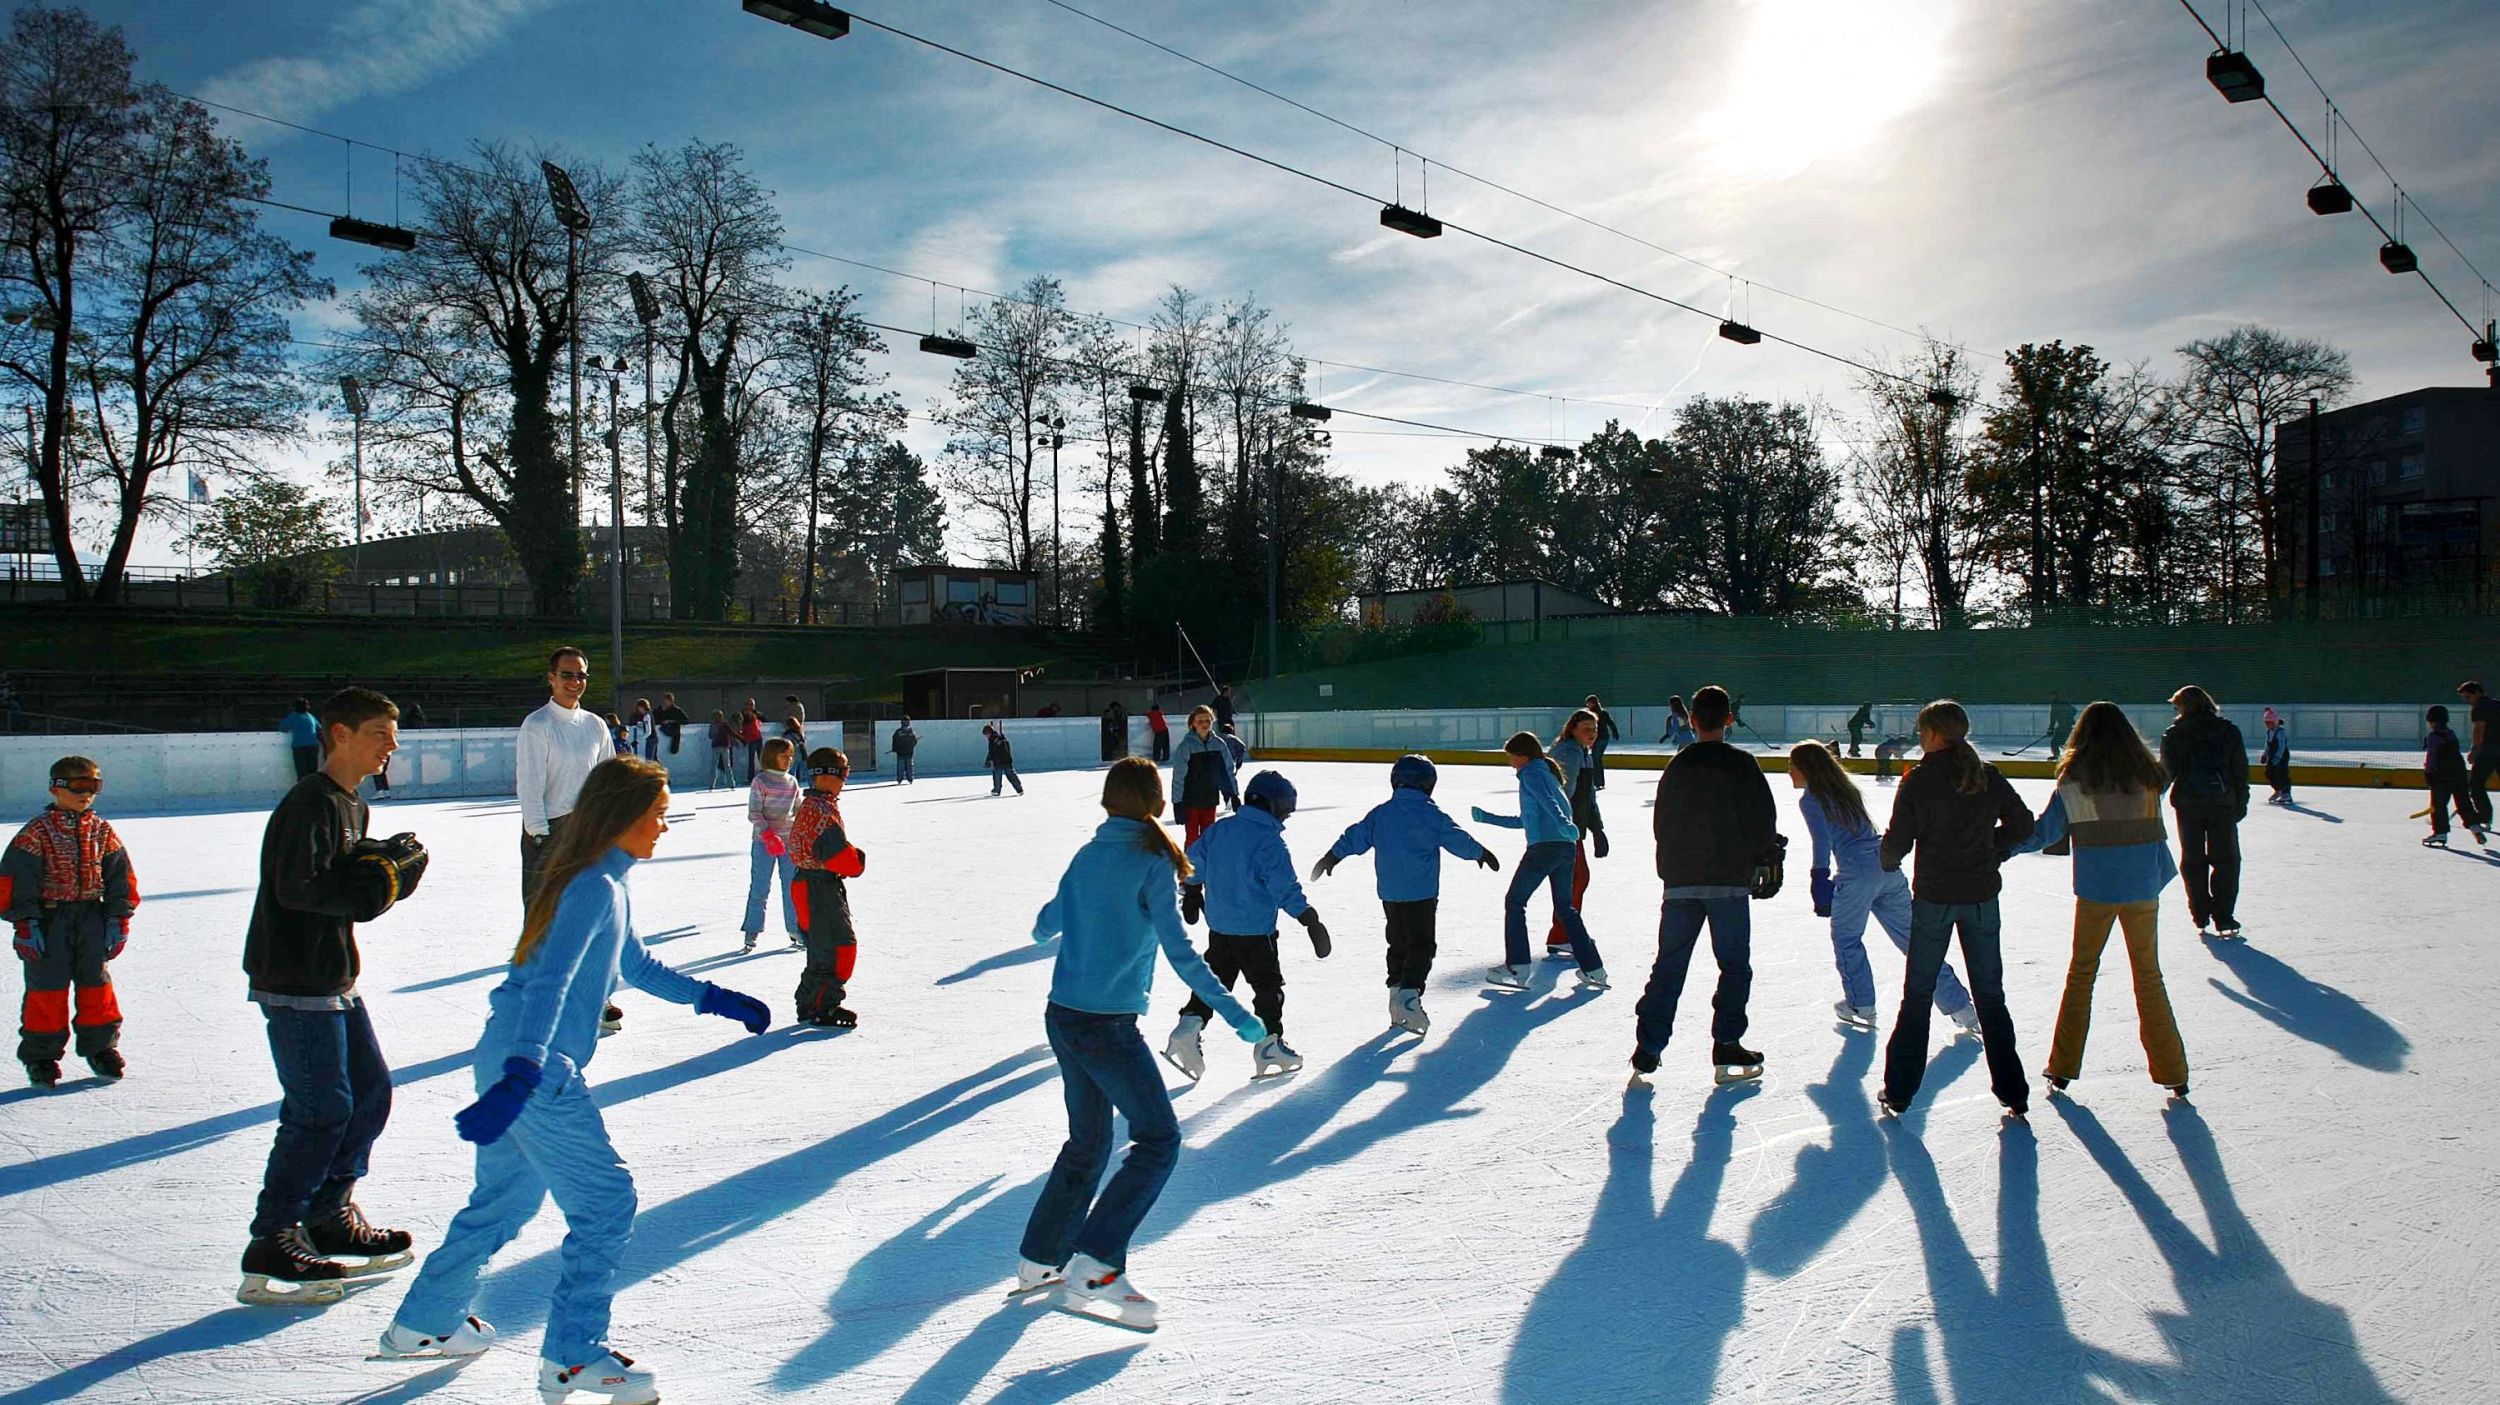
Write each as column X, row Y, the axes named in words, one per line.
column 2354, row 777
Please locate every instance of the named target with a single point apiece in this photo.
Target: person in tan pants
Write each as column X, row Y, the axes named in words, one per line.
column 2107, row 812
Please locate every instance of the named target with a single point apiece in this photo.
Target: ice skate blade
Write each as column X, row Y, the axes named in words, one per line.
column 379, row 1263
column 1019, row 1295
column 259, row 1290
column 1184, row 1068
column 1725, row 1074
column 1075, row 1308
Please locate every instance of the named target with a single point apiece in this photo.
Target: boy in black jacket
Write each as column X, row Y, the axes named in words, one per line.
column 1719, row 845
column 2208, row 765
column 1962, row 817
column 319, row 876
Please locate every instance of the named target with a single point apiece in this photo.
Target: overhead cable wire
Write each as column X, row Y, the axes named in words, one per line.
column 1409, row 149
column 2328, row 167
column 1368, row 197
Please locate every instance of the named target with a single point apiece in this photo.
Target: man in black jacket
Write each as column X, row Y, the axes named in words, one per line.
column 2208, row 764
column 1719, row 845
column 1962, row 816
column 300, row 953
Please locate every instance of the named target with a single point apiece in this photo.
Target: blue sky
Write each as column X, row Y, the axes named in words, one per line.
column 1990, row 173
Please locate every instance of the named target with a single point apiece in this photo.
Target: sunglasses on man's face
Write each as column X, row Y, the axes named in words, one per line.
column 573, row 675
column 79, row 785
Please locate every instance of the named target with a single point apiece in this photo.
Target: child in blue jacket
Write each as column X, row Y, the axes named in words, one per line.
column 1409, row 833
column 535, row 1125
column 1242, row 878
column 1113, row 910
column 1553, row 846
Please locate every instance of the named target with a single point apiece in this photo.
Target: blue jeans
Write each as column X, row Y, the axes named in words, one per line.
column 1103, row 1064
column 1731, row 941
column 1885, row 896
column 1008, row 775
column 1545, row 865
column 560, row 1145
column 760, row 875
column 337, row 1096
column 1905, row 1056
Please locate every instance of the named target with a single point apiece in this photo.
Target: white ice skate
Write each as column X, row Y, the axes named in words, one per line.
column 1273, row 1057
column 1507, row 977
column 1855, row 1016
column 2436, row 841
column 401, row 1343
column 609, row 1374
column 1594, row 978
column 2231, row 932
column 1183, row 1050
column 1966, row 1020
column 1104, row 1294
column 1033, row 1277
column 1406, row 1011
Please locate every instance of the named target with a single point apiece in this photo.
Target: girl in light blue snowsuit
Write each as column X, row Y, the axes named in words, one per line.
column 536, row 1128
column 1849, row 885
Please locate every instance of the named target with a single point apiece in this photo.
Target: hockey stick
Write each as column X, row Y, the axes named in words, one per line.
column 2026, row 746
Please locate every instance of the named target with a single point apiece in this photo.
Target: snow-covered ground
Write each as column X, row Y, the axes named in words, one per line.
column 1483, row 1215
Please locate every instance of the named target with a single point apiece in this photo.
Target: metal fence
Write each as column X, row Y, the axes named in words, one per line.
column 226, row 595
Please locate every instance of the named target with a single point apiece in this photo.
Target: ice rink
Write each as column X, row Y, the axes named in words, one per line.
column 1485, row 1214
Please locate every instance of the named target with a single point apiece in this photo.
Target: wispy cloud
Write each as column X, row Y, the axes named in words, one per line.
column 374, row 50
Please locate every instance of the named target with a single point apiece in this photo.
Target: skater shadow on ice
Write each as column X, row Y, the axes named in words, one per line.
column 952, row 1254
column 2313, row 1010
column 2009, row 1341
column 2299, row 809
column 1832, row 1182
column 445, row 982
column 1911, row 1382
column 515, row 1297
column 2246, row 1331
column 227, row 1327
column 173, row 1141
column 1607, row 1325
column 1018, row 956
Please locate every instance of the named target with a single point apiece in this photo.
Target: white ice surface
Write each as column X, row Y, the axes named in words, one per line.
column 1486, row 1215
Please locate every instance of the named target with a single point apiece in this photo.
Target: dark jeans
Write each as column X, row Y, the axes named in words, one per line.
column 2448, row 791
column 1983, row 969
column 1163, row 746
column 307, row 760
column 1008, row 775
column 1103, row 1065
column 337, row 1096
column 1232, row 957
column 2209, row 861
column 1597, row 762
column 1546, row 865
column 1414, row 940
column 2279, row 776
column 534, row 852
column 2484, row 765
column 1731, row 942
column 902, row 768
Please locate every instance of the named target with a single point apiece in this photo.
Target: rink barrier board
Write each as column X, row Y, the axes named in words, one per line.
column 2349, row 777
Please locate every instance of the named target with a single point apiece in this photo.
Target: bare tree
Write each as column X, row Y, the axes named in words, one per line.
column 2238, row 387
column 1250, row 367
column 1001, row 401
column 1916, row 460
column 823, row 349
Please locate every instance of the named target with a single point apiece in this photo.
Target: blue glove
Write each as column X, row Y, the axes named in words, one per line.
column 730, row 1005
column 121, row 938
column 486, row 1120
column 1821, row 887
column 1251, row 1028
column 29, row 942
column 1477, row 813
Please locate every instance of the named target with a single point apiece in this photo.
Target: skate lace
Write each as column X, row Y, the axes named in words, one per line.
column 298, row 1249
column 351, row 1222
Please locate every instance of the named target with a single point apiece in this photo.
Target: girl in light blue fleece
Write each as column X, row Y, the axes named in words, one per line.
column 1553, row 844
column 576, row 943
column 1116, row 904
column 1850, row 885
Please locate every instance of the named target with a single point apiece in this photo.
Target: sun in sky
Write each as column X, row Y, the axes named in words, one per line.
column 1813, row 79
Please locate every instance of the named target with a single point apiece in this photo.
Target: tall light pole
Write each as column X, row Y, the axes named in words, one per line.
column 575, row 217
column 647, row 312
column 616, row 523
column 354, row 395
column 1058, row 573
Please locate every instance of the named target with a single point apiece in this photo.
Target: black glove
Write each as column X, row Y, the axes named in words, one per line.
column 1489, row 861
column 380, row 872
column 1327, row 865
column 1768, row 872
column 1193, row 901
column 1318, row 931
column 1597, row 843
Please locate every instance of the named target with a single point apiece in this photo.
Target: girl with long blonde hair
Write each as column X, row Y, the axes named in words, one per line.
column 1850, row 885
column 1116, row 903
column 537, row 1130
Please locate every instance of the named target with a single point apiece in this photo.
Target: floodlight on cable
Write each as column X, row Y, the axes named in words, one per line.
column 812, row 16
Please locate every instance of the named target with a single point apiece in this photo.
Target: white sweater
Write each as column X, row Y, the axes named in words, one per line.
column 557, row 748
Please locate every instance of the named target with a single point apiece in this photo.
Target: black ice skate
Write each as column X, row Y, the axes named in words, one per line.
column 44, row 1073
column 1734, row 1063
column 348, row 1234
column 838, row 1017
column 287, row 1258
column 108, row 1063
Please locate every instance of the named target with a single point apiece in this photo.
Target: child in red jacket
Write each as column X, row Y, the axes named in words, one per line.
column 825, row 857
column 67, row 892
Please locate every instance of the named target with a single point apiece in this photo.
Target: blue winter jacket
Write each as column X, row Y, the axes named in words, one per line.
column 1116, row 903
column 1843, row 851
column 548, row 1007
column 301, row 728
column 1248, row 875
column 1408, row 832
column 1544, row 808
column 2122, row 853
column 1571, row 756
column 1219, row 758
